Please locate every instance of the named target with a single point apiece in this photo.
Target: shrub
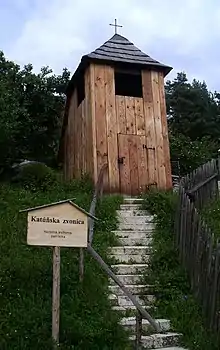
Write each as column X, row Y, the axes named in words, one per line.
column 36, row 177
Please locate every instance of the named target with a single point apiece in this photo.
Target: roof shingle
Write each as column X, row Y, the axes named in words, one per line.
column 120, row 49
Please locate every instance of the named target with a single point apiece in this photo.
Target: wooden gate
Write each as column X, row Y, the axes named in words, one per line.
column 133, row 164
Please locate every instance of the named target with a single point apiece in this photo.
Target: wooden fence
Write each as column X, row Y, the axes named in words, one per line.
column 201, row 185
column 199, row 250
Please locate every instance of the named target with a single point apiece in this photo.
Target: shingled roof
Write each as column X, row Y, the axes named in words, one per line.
column 120, row 49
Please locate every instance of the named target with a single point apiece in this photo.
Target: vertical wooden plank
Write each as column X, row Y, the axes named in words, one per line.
column 101, row 128
column 166, row 147
column 93, row 121
column 158, row 131
column 139, row 116
column 121, row 114
column 89, row 124
column 124, row 167
column 130, row 115
column 111, row 125
column 132, row 141
column 83, row 147
column 149, row 126
column 142, row 163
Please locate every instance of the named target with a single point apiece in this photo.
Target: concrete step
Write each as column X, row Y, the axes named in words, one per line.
column 136, row 226
column 129, row 323
column 123, row 300
column 130, row 250
column 130, row 241
column 125, row 269
column 132, row 212
column 135, row 289
column 159, row 341
column 138, row 220
column 127, row 279
column 130, row 259
column 133, row 234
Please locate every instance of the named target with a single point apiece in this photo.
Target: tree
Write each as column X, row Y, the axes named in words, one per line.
column 31, row 108
column 192, row 110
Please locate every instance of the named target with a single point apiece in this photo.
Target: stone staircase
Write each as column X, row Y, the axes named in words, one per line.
column 131, row 259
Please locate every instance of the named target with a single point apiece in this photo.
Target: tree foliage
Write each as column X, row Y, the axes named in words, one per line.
column 31, row 107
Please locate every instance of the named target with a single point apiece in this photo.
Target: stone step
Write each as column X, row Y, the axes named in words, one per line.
column 130, row 259
column 136, row 220
column 125, row 269
column 123, row 300
column 127, row 279
column 130, row 207
column 132, row 212
column 136, row 226
column 135, row 289
column 131, row 311
column 130, row 250
column 170, row 348
column 133, row 234
column 130, row 241
column 133, row 200
column 129, row 323
column 159, row 341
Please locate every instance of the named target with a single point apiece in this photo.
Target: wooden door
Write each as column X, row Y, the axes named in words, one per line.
column 132, row 158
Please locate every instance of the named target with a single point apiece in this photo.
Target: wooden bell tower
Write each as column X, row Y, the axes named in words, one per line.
column 116, row 115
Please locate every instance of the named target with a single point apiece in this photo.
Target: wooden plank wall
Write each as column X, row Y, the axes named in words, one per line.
column 95, row 128
column 78, row 135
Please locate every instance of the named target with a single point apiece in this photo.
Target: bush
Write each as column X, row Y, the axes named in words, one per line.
column 36, row 177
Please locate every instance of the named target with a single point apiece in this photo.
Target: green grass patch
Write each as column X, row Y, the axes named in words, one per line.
column 211, row 215
column 87, row 321
column 175, row 300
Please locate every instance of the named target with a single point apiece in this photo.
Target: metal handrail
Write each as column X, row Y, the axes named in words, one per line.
column 141, row 311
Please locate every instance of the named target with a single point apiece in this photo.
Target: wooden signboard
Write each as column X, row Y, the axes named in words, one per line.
column 61, row 224
column 58, row 225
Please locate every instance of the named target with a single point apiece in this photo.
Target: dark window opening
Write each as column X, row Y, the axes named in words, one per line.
column 80, row 89
column 128, row 83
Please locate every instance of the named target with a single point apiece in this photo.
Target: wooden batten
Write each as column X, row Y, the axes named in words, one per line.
column 111, row 125
column 161, row 174
column 149, row 128
column 166, row 147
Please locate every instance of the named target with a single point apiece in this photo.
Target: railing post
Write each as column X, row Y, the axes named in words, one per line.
column 138, row 330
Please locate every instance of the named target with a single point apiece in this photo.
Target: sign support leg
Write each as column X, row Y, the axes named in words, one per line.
column 56, row 296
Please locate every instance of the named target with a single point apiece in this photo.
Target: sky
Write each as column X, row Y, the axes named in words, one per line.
column 181, row 34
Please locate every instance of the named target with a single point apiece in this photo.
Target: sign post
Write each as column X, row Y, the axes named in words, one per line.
column 56, row 295
column 61, row 224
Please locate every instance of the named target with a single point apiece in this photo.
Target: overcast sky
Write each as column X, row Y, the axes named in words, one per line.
column 183, row 34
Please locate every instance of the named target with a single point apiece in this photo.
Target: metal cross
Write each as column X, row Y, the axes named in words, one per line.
column 116, row 25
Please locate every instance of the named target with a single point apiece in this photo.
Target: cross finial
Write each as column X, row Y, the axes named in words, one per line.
column 116, row 26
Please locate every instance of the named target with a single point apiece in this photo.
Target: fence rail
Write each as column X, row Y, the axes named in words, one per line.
column 199, row 250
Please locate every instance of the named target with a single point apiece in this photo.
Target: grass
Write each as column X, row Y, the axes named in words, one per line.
column 172, row 289
column 87, row 321
column 211, row 215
